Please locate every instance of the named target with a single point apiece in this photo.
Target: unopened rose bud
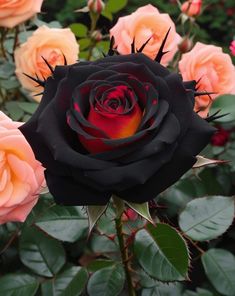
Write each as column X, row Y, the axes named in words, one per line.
column 96, row 6
column 192, row 8
column 232, row 47
column 185, row 45
column 96, row 36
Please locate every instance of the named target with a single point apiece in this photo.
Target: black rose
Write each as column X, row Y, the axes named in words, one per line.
column 121, row 125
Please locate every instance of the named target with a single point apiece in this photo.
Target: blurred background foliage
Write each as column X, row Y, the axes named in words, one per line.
column 216, row 23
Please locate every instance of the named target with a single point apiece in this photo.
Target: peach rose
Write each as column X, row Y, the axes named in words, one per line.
column 21, row 175
column 52, row 44
column 14, row 12
column 192, row 7
column 214, row 71
column 144, row 23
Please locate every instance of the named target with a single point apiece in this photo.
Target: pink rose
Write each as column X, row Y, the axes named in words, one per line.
column 213, row 70
column 54, row 45
column 192, row 7
column 232, row 47
column 21, row 175
column 14, row 12
column 144, row 23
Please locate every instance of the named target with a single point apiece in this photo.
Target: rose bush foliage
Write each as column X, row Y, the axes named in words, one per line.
column 121, row 125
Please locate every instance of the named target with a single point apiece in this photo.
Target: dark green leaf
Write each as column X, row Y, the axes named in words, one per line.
column 79, row 30
column 41, row 253
column 102, row 244
column 141, row 209
column 108, row 281
column 208, row 217
column 70, row 282
column 200, row 292
column 94, row 213
column 226, row 104
column 219, row 266
column 18, row 285
column 7, row 69
column 64, row 223
column 28, row 107
column 161, row 289
column 99, row 264
column 9, row 84
column 162, row 252
column 15, row 112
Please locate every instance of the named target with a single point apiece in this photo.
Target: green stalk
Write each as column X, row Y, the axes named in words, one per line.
column 123, row 248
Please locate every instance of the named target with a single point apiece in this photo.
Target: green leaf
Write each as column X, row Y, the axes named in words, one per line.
column 84, row 43
column 107, row 14
column 219, row 266
column 9, row 84
column 141, row 209
column 200, row 292
column 18, row 285
column 94, row 213
column 7, row 69
column 28, row 107
column 107, row 281
column 15, row 112
column 162, row 289
column 102, row 244
column 114, row 6
column 99, row 264
column 207, row 218
column 79, row 30
column 70, row 282
column 64, row 223
column 226, row 104
column 162, row 253
column 41, row 253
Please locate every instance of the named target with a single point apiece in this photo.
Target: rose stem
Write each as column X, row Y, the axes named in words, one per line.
column 124, row 252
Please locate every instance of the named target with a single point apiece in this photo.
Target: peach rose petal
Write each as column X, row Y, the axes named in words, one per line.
column 52, row 44
column 213, row 69
column 15, row 12
column 146, row 22
column 21, row 175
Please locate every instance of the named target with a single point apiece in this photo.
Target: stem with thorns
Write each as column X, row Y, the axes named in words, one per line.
column 124, row 253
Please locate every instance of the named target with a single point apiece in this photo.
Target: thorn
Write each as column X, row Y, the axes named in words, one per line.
column 65, row 61
column 39, row 81
column 143, row 46
column 161, row 53
column 214, row 117
column 39, row 94
column 196, row 94
column 111, row 51
column 133, row 46
column 48, row 65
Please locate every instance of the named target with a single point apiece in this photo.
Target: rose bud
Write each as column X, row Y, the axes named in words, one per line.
column 212, row 69
column 192, row 7
column 232, row 47
column 96, row 6
column 97, row 36
column 122, row 125
column 185, row 45
column 220, row 138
